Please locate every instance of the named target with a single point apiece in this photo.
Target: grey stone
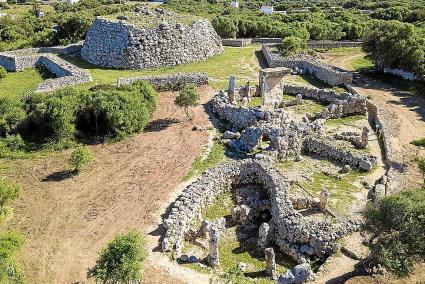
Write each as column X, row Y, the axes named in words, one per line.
column 297, row 275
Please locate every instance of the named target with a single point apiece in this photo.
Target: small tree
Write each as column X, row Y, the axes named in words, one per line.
column 121, row 261
column 292, row 44
column 188, row 97
column 80, row 158
column 8, row 191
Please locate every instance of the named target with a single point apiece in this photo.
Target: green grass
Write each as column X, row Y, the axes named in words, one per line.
column 307, row 106
column 345, row 120
column 241, row 62
column 216, row 155
column 24, row 9
column 222, row 206
column 419, row 142
column 343, row 51
column 363, row 63
column 341, row 190
column 17, row 83
column 255, row 102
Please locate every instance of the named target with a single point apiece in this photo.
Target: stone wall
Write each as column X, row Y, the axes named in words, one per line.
column 329, row 74
column 332, row 152
column 292, row 231
column 122, row 45
column 236, row 42
column 172, row 82
column 325, row 44
column 401, row 73
column 67, row 73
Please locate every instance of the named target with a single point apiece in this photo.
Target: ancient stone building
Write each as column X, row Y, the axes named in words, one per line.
column 119, row 44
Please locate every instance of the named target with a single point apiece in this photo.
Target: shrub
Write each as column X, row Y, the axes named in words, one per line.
column 293, row 44
column 121, row 260
column 11, row 115
column 8, row 191
column 10, row 243
column 147, row 94
column 225, row 27
column 3, row 72
column 80, row 158
column 421, row 165
column 397, row 224
column 188, row 97
column 419, row 142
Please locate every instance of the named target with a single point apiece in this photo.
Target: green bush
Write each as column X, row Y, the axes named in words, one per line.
column 397, row 223
column 225, row 27
column 10, row 243
column 121, row 261
column 188, row 97
column 80, row 158
column 8, row 192
column 147, row 94
column 11, row 116
column 293, row 44
column 3, row 72
column 419, row 142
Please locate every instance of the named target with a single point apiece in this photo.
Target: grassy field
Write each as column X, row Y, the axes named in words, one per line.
column 241, row 62
column 23, row 9
column 17, row 83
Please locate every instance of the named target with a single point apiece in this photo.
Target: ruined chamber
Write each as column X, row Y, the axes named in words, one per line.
column 119, row 44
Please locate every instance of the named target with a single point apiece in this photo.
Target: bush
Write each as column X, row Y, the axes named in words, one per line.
column 10, row 243
column 3, row 72
column 293, row 44
column 121, row 260
column 80, row 158
column 11, row 116
column 397, row 224
column 147, row 94
column 418, row 142
column 8, row 192
column 188, row 97
column 225, row 27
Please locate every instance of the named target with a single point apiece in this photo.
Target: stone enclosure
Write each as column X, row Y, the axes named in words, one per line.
column 119, row 44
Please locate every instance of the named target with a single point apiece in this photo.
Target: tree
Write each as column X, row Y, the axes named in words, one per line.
column 397, row 225
column 225, row 27
column 121, row 261
column 292, row 44
column 80, row 158
column 8, row 191
column 188, row 97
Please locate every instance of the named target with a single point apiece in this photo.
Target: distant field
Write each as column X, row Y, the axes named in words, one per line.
column 23, row 9
column 241, row 62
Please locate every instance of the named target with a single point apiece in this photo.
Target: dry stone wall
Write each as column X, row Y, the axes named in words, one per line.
column 67, row 74
column 329, row 74
column 292, row 231
column 122, row 45
column 172, row 82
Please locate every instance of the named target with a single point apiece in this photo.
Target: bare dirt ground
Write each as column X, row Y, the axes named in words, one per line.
column 66, row 221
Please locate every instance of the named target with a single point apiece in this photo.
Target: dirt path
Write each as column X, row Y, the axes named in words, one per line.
column 67, row 222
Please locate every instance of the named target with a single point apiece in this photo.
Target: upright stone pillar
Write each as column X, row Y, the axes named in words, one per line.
column 324, row 196
column 263, row 233
column 231, row 89
column 365, row 137
column 270, row 263
column 213, row 257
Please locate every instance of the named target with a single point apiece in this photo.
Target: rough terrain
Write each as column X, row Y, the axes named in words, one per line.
column 67, row 220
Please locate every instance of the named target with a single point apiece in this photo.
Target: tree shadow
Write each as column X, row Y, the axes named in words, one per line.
column 160, row 124
column 60, row 176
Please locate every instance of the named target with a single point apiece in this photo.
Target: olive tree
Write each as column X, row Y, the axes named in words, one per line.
column 188, row 97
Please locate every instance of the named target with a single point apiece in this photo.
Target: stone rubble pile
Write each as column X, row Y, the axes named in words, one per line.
column 119, row 44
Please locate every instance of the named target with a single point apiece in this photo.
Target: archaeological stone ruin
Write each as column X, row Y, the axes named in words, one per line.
column 122, row 45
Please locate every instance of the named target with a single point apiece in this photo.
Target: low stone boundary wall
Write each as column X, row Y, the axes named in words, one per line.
column 236, row 42
column 67, row 73
column 267, row 40
column 329, row 151
column 172, row 82
column 401, row 73
column 329, row 74
column 332, row 44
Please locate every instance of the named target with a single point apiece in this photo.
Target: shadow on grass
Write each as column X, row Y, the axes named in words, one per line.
column 60, row 176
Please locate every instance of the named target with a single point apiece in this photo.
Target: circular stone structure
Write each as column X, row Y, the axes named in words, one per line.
column 119, row 44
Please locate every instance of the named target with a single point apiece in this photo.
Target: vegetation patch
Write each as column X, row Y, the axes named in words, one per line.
column 344, row 120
